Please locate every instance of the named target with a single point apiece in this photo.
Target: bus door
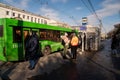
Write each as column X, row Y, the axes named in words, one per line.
column 17, row 45
column 2, row 45
column 26, row 33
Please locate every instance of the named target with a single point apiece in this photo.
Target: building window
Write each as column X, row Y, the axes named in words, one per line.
column 19, row 15
column 7, row 12
column 38, row 20
column 42, row 21
column 27, row 17
column 13, row 14
column 45, row 22
column 23, row 16
column 31, row 19
column 35, row 19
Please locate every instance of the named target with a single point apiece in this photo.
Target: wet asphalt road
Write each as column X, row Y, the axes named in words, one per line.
column 99, row 65
column 88, row 66
column 71, row 71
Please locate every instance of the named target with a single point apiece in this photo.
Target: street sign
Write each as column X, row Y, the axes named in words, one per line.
column 83, row 27
column 84, row 21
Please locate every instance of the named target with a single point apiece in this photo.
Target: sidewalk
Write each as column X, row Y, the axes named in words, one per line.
column 53, row 61
column 1, row 63
column 116, row 61
column 45, row 64
column 108, row 62
column 105, row 59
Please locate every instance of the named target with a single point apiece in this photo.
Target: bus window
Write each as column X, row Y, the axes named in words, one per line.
column 26, row 32
column 1, row 31
column 50, row 35
column 57, row 36
column 17, row 37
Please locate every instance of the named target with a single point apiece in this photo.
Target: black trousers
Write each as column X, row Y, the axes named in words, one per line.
column 74, row 51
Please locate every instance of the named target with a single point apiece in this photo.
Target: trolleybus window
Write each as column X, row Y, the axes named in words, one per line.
column 1, row 30
column 17, row 37
column 26, row 33
column 50, row 35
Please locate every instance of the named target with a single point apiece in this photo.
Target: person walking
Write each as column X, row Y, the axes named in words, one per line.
column 113, row 44
column 65, row 43
column 74, row 45
column 32, row 46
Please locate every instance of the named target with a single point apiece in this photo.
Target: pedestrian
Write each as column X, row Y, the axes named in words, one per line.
column 32, row 46
column 65, row 43
column 84, row 41
column 90, row 43
column 119, row 43
column 74, row 45
column 114, row 44
column 80, row 41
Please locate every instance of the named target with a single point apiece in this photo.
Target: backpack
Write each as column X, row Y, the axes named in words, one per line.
column 74, row 41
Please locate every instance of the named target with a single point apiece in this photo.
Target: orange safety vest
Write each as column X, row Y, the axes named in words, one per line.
column 74, row 41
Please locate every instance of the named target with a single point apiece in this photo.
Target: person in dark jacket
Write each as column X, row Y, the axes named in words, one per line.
column 113, row 44
column 32, row 46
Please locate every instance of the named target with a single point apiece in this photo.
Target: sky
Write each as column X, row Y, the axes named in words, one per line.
column 72, row 11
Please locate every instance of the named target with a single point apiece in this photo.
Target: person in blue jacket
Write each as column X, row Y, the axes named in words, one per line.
column 32, row 46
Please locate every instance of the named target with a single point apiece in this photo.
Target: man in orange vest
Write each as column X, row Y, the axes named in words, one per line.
column 74, row 45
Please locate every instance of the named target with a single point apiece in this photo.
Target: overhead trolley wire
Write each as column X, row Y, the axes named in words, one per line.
column 69, row 16
column 93, row 10
column 87, row 6
column 101, row 25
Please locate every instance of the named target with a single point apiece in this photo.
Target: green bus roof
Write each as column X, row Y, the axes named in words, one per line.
column 26, row 24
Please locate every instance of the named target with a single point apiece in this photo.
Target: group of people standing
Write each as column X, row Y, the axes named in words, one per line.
column 32, row 47
column 72, row 41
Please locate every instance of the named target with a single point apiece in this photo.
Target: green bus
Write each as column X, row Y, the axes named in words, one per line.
column 13, row 33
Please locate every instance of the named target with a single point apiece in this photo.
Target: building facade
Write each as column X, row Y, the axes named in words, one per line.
column 91, row 36
column 12, row 12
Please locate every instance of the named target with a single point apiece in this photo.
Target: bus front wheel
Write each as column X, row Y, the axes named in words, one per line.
column 46, row 50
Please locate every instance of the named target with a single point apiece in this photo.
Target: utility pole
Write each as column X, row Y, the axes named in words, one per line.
column 82, row 42
column 99, row 36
